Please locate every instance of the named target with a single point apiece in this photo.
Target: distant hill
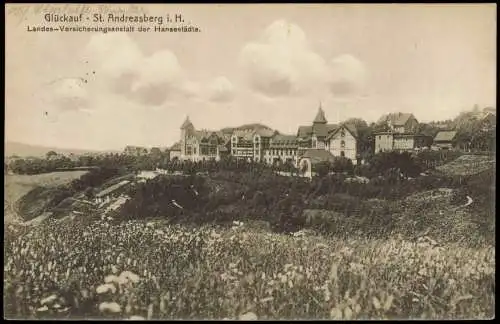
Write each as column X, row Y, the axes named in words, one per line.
column 25, row 150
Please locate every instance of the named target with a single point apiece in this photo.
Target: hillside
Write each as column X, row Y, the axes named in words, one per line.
column 18, row 186
column 468, row 165
column 25, row 150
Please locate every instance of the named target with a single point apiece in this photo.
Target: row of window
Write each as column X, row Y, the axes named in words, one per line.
column 281, row 152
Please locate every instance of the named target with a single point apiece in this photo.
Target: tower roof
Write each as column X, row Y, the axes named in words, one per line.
column 187, row 123
column 320, row 116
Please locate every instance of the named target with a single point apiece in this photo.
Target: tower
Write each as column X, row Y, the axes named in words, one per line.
column 320, row 116
column 319, row 129
column 187, row 129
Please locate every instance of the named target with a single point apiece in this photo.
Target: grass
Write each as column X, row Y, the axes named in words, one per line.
column 103, row 268
column 220, row 273
column 468, row 165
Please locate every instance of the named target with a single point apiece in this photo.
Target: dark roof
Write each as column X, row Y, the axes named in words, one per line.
column 304, row 131
column 320, row 117
column 280, row 141
column 445, row 136
column 112, row 188
column 351, row 128
column 318, row 155
column 319, row 129
column 187, row 123
column 204, row 134
column 396, row 119
column 224, row 137
column 176, row 147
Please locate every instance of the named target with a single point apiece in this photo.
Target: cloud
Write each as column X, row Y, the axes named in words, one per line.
column 221, row 90
column 281, row 63
column 150, row 80
column 348, row 75
column 63, row 95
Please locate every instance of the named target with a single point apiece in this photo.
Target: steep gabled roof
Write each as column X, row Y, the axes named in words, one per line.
column 445, row 136
column 320, row 130
column 187, row 123
column 396, row 119
column 331, row 128
column 176, row 147
column 204, row 134
column 351, row 128
column 304, row 131
column 280, row 141
column 318, row 155
column 320, row 117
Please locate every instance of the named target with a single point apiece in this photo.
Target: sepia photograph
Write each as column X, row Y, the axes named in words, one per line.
column 249, row 161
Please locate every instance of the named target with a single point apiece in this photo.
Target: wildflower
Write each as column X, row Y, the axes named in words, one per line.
column 111, row 307
column 110, row 278
column 48, row 300
column 150, row 311
column 130, row 276
column 267, row 299
column 121, row 280
column 250, row 316
column 105, row 288
column 336, row 313
column 347, row 313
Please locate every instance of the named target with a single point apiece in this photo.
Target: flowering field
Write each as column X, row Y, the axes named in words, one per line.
column 151, row 270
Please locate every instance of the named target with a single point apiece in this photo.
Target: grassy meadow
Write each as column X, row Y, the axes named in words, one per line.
column 152, row 270
column 416, row 257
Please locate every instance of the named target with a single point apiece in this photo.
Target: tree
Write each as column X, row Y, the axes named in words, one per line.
column 50, row 154
column 343, row 164
column 322, row 169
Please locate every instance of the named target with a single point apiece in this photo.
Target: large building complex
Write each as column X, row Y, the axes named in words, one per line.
column 260, row 143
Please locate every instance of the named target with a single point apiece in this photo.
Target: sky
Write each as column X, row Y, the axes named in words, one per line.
column 270, row 64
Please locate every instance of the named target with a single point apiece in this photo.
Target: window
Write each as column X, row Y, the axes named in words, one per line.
column 194, row 150
column 342, row 132
column 342, row 154
column 189, row 150
column 342, row 143
column 379, row 137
